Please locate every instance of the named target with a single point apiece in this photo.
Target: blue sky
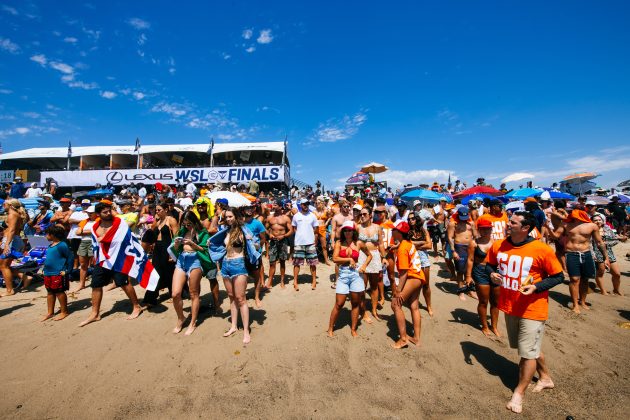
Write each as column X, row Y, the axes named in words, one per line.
column 473, row 89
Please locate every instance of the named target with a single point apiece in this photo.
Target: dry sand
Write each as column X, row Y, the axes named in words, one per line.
column 138, row 369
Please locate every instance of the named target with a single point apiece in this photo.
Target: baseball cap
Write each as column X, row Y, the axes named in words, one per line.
column 483, row 223
column 357, row 207
column 462, row 213
column 222, row 201
column 65, row 200
column 416, row 202
column 590, row 203
column 530, row 200
column 495, row 202
column 348, row 225
column 85, row 201
column 401, row 226
column 90, row 209
column 443, row 199
column 304, row 201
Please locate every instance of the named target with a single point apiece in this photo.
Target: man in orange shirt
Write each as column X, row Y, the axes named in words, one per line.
column 525, row 268
column 498, row 218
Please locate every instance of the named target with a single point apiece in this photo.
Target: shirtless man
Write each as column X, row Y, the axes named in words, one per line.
column 279, row 229
column 437, row 229
column 62, row 216
column 460, row 233
column 579, row 231
column 102, row 276
column 344, row 215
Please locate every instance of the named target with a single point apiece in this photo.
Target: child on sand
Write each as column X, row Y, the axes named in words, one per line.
column 58, row 261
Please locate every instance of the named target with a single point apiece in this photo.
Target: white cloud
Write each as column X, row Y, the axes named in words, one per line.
column 225, row 137
column 95, row 35
column 398, row 178
column 40, row 59
column 9, row 46
column 265, row 37
column 247, row 33
column 172, row 70
column 62, row 67
column 138, row 24
column 56, row 33
column 339, row 129
column 226, row 56
column 70, row 40
column 142, row 39
column 6, row 91
column 108, row 94
column 138, row 95
column 82, row 85
column 250, row 49
column 10, row 10
column 31, row 114
column 22, row 130
column 173, row 109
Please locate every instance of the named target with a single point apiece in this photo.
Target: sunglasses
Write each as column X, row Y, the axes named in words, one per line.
column 380, row 211
column 365, row 214
column 411, row 218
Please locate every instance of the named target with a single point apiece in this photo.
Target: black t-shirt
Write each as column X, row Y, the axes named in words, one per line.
column 617, row 210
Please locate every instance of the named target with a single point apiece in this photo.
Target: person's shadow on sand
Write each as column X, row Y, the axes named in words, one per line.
column 624, row 314
column 494, row 363
column 7, row 311
column 465, row 317
column 561, row 298
column 447, row 287
column 392, row 327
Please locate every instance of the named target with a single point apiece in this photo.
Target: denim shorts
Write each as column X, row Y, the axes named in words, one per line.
column 187, row 262
column 349, row 281
column 233, row 267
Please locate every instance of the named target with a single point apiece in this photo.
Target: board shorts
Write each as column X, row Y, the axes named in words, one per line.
column 375, row 266
column 437, row 232
column 460, row 264
column 101, row 277
column 305, row 254
column 17, row 248
column 580, row 264
column 187, row 262
column 424, row 259
column 85, row 249
column 349, row 281
column 233, row 267
column 56, row 284
column 526, row 335
column 278, row 250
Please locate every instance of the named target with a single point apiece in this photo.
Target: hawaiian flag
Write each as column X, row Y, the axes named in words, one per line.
column 121, row 251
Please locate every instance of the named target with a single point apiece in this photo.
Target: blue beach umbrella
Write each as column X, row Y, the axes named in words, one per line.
column 100, row 191
column 422, row 194
column 558, row 195
column 523, row 193
column 479, row 197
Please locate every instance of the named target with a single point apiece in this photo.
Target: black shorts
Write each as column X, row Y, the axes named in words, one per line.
column 580, row 264
column 74, row 245
column 101, row 277
column 437, row 233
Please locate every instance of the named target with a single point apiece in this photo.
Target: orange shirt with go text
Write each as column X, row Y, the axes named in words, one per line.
column 407, row 258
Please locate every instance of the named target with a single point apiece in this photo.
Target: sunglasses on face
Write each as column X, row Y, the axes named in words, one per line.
column 411, row 218
column 365, row 214
column 380, row 211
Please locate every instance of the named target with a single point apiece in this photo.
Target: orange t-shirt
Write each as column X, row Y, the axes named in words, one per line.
column 407, row 258
column 499, row 225
column 534, row 261
column 387, row 226
column 535, row 233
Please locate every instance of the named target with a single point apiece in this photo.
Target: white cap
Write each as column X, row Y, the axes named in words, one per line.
column 590, row 203
column 348, row 224
column 90, row 209
column 416, row 202
column 545, row 196
column 357, row 207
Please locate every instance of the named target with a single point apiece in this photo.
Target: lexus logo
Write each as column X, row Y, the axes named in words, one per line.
column 114, row 177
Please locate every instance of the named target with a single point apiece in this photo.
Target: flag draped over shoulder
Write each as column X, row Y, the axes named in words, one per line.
column 120, row 251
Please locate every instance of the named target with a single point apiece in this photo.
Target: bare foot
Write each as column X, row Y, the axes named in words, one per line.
column 381, row 303
column 191, row 329
column 313, row 286
column 327, row 262
column 61, row 316
column 473, row 295
column 268, row 287
column 11, row 293
column 48, row 316
column 179, row 326
column 400, row 344
column 229, row 332
column 258, row 303
column 354, row 333
column 367, row 318
column 297, row 289
column 375, row 315
column 576, row 309
column 78, row 290
column 282, row 285
column 135, row 313
column 486, row 331
column 246, row 338
column 496, row 332
column 603, row 292
column 515, row 404
column 462, row 296
column 330, row 333
column 430, row 311
column 617, row 292
column 91, row 319
column 543, row 384
column 414, row 341
column 585, row 306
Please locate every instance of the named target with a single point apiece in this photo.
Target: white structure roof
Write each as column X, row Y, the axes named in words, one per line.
column 62, row 152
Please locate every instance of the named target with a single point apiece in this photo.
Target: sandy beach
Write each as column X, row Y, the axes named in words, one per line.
column 138, row 369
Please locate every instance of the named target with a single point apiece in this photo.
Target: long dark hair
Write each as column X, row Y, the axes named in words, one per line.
column 191, row 217
column 236, row 229
column 355, row 236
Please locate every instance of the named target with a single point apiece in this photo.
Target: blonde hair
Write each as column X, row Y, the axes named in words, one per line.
column 15, row 204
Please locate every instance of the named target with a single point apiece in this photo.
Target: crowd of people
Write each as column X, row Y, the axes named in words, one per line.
column 379, row 244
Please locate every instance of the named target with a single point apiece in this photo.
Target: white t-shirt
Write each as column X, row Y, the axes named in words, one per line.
column 33, row 193
column 184, row 202
column 190, row 188
column 304, row 228
column 76, row 217
column 142, row 192
column 87, row 228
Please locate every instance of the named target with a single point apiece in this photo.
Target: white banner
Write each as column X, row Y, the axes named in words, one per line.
column 6, row 176
column 227, row 174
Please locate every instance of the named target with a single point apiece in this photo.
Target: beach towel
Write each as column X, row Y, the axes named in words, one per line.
column 121, row 251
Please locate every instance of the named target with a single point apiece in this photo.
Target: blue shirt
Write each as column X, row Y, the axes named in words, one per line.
column 58, row 259
column 17, row 190
column 256, row 227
